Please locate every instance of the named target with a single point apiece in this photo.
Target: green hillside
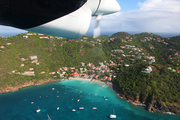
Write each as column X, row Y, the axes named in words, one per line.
column 120, row 34
column 52, row 54
column 161, row 87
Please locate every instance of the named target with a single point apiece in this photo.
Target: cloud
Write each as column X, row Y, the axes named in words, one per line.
column 152, row 16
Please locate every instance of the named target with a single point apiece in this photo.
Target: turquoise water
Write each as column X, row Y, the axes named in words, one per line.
column 17, row 105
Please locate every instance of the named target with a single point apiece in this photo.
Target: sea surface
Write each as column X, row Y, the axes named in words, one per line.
column 64, row 94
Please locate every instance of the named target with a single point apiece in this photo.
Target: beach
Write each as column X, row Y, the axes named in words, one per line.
column 34, row 83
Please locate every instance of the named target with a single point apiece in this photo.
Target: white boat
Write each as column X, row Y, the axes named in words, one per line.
column 73, row 110
column 112, row 115
column 57, row 108
column 81, row 108
column 78, row 100
column 52, row 88
column 32, row 102
column 106, row 99
column 38, row 110
column 57, row 96
column 94, row 108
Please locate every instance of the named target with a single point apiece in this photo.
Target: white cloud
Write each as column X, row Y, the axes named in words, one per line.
column 152, row 16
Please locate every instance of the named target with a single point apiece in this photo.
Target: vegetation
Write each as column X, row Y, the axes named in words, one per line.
column 52, row 54
column 161, row 87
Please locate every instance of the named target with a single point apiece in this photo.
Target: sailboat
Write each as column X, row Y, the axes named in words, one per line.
column 38, row 110
column 48, row 117
column 112, row 115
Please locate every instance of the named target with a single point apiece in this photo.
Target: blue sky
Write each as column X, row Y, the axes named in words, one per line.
column 129, row 4
column 156, row 16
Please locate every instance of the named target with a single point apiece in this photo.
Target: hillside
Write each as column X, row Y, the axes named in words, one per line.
column 148, row 70
column 120, row 34
column 52, row 53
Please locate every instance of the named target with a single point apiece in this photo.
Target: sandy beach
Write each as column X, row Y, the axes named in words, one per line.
column 27, row 84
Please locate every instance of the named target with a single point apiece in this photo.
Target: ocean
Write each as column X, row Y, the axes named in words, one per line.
column 68, row 95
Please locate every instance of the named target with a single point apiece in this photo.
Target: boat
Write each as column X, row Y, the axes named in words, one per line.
column 38, row 110
column 81, row 108
column 106, row 99
column 32, row 102
column 52, row 88
column 112, row 115
column 57, row 108
column 103, row 85
column 94, row 108
column 73, row 110
column 78, row 100
column 48, row 117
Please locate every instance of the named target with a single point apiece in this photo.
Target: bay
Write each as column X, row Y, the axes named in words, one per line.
column 65, row 95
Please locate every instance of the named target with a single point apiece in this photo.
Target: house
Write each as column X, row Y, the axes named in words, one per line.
column 22, row 65
column 8, row 43
column 31, row 68
column 29, row 73
column 65, row 68
column 33, row 57
column 72, row 68
column 148, row 70
column 123, row 47
column 109, row 78
column 101, row 64
column 91, row 76
column 105, row 78
column 126, row 65
column 169, row 68
column 52, row 73
column 178, row 71
column 96, row 76
column 46, row 37
column 42, row 72
column 173, row 70
column 25, row 36
column 83, row 64
column 2, row 47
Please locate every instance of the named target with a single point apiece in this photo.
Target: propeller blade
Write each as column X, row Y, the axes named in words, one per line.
column 97, row 29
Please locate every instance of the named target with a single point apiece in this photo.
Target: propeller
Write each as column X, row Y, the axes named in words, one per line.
column 97, row 29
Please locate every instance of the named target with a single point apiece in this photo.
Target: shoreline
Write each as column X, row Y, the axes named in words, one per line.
column 8, row 89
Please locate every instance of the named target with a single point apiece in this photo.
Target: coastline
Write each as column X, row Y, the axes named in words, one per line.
column 35, row 83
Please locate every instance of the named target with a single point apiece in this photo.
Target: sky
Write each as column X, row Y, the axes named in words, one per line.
column 156, row 16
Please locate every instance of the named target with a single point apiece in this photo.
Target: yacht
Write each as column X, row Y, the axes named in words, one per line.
column 94, row 108
column 38, row 110
column 73, row 110
column 81, row 108
column 112, row 115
